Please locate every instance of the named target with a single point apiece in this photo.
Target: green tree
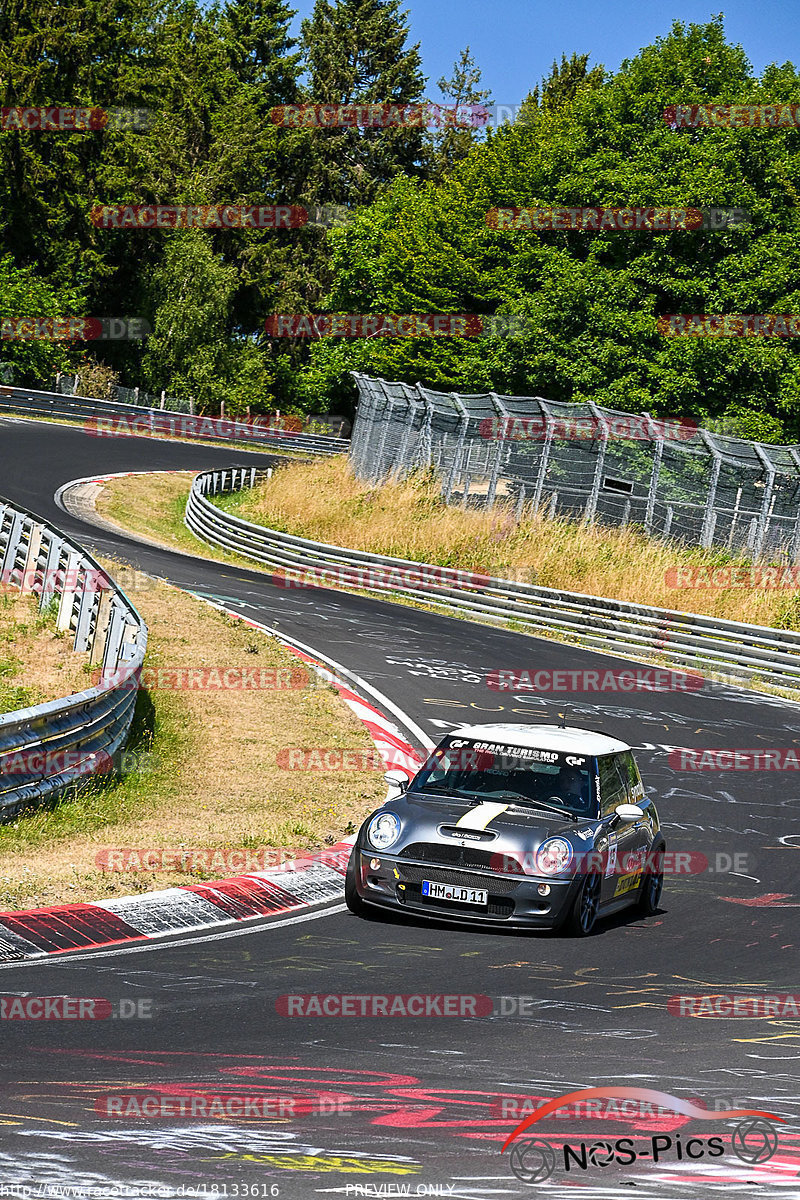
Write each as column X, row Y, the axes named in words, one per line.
column 453, row 139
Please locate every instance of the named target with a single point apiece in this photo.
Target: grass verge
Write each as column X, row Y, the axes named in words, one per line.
column 323, row 501
column 37, row 662
column 201, row 768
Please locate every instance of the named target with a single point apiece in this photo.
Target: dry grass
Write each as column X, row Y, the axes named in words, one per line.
column 207, row 774
column 36, row 662
column 323, row 500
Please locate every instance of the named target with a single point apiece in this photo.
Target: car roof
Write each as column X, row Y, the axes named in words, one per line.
column 544, row 737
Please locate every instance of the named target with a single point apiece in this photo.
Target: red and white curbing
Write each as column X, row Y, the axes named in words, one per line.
column 302, row 883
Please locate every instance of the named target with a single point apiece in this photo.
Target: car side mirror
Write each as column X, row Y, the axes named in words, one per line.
column 397, row 779
column 628, row 812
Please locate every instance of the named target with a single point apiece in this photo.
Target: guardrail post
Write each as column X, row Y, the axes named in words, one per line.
column 69, row 591
column 52, row 562
column 31, row 559
column 101, row 622
column 12, row 545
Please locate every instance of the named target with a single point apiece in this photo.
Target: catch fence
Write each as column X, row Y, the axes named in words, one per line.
column 677, row 481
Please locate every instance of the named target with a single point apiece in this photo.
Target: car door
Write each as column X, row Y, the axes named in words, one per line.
column 624, row 839
column 639, row 834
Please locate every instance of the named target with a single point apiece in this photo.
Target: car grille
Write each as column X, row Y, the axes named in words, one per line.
column 411, row 896
column 494, row 884
column 460, row 856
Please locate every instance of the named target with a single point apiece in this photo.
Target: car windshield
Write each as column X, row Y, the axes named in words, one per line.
column 490, row 771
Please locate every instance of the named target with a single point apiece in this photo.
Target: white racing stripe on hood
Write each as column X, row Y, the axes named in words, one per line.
column 479, row 818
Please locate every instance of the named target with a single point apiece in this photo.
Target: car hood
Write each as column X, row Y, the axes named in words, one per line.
column 494, row 826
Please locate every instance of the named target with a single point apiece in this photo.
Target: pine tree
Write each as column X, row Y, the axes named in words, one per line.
column 356, row 53
column 456, row 136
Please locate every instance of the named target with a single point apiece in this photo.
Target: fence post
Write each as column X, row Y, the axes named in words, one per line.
column 654, row 474
column 425, row 447
column 459, row 450
column 591, row 503
column 501, row 447
column 668, row 522
column 377, row 474
column 548, row 442
column 709, row 519
column 766, row 509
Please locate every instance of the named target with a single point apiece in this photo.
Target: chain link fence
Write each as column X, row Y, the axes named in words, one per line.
column 675, row 480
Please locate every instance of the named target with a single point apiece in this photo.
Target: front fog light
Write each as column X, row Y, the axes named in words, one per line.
column 374, row 864
column 382, row 830
column 544, row 889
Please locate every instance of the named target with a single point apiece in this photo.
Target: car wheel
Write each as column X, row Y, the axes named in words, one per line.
column 351, row 896
column 652, row 886
column 583, row 914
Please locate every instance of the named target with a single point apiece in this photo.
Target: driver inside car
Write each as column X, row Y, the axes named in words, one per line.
column 572, row 789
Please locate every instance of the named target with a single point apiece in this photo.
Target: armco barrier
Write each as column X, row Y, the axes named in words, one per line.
column 46, row 747
column 146, row 420
column 747, row 652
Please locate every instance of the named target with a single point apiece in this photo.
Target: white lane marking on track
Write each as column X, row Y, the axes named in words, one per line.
column 158, row 943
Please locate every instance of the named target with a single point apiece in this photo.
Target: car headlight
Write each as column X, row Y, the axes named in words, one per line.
column 553, row 855
column 383, row 830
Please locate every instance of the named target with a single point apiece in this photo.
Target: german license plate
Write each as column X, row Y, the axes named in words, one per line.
column 458, row 895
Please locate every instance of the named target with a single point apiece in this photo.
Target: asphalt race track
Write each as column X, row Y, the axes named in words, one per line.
column 415, row 1105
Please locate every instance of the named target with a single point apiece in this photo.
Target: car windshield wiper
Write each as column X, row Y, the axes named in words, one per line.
column 526, row 802
column 442, row 791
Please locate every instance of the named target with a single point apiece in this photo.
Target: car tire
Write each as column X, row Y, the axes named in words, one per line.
column 351, row 896
column 582, row 916
column 652, row 885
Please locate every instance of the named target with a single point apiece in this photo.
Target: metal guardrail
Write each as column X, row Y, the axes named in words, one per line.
column 147, row 422
column 746, row 652
column 46, row 747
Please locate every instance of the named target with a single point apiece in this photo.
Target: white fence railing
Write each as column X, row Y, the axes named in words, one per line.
column 46, row 747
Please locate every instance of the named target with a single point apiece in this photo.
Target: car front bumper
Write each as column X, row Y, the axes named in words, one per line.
column 513, row 900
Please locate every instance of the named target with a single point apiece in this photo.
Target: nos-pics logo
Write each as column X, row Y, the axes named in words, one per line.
column 753, row 1141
